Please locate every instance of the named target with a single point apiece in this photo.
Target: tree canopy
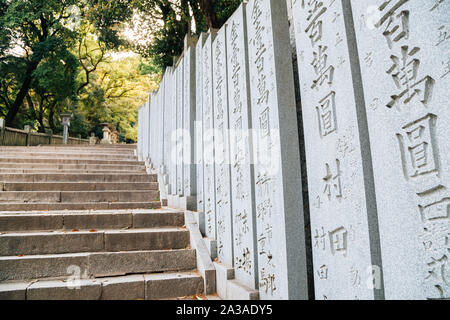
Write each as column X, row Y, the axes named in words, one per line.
column 168, row 21
column 75, row 56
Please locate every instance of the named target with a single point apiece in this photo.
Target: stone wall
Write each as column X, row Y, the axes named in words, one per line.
column 311, row 138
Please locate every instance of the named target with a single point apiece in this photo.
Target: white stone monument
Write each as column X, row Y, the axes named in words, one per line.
column 222, row 150
column 189, row 200
column 199, row 123
column 208, row 139
column 168, row 92
column 242, row 176
column 173, row 138
column 278, row 194
column 179, row 159
column 404, row 59
column 340, row 179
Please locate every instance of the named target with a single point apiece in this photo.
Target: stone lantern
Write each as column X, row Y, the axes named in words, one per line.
column 65, row 120
column 106, row 133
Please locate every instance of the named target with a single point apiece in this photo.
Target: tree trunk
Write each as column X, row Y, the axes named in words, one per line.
column 51, row 116
column 32, row 66
column 210, row 15
column 22, row 93
column 41, row 116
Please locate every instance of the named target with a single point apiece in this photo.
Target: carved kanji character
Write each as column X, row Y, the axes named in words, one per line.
column 405, row 73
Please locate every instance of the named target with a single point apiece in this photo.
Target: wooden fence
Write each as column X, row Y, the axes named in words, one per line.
column 17, row 137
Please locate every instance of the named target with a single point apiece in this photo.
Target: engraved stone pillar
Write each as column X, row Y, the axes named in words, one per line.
column 344, row 226
column 242, row 176
column 222, row 150
column 139, row 137
column 150, row 116
column 93, row 139
column 173, row 134
column 199, row 124
column 179, row 159
column 27, row 129
column 278, row 196
column 189, row 113
column 403, row 49
column 2, row 131
column 145, row 126
column 208, row 138
column 168, row 92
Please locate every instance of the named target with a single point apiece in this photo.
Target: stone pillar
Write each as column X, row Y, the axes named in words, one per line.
column 27, row 129
column 222, row 150
column 242, row 176
column 167, row 149
column 173, row 133
column 208, row 139
column 93, row 139
column 149, row 128
column 179, row 128
column 278, row 194
column 2, row 131
column 339, row 163
column 139, row 135
column 189, row 201
column 403, row 49
column 199, row 128
column 65, row 120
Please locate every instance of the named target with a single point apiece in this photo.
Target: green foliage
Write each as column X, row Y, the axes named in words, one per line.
column 166, row 23
column 107, row 16
column 225, row 8
column 115, row 92
column 61, row 56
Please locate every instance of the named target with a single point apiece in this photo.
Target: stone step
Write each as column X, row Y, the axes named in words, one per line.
column 67, row 150
column 53, row 161
column 95, row 264
column 78, row 146
column 31, row 243
column 52, row 206
column 78, row 196
column 117, row 219
column 82, row 171
column 133, row 287
column 91, row 167
column 77, row 186
column 40, row 155
column 67, row 177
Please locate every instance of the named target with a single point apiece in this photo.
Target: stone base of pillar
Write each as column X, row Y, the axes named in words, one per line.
column 223, row 274
column 211, row 246
column 230, row 289
column 168, row 188
column 182, row 202
column 200, row 219
column 204, row 263
column 172, row 200
column 237, row 291
column 188, row 203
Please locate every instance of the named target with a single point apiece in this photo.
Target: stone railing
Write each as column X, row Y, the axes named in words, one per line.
column 312, row 139
column 17, row 137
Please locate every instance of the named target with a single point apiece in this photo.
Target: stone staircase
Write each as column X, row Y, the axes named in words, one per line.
column 80, row 222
